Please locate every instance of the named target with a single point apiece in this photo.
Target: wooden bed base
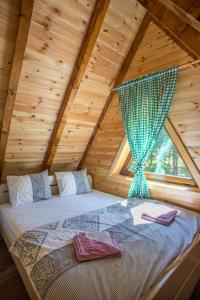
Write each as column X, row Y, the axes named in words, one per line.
column 177, row 284
column 180, row 281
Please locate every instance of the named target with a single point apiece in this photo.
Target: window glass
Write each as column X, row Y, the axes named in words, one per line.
column 165, row 159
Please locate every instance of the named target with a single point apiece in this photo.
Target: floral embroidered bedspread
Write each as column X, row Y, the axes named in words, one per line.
column 47, row 253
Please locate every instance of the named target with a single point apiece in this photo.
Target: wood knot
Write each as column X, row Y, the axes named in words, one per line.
column 56, row 10
column 45, row 25
column 43, row 49
column 12, row 92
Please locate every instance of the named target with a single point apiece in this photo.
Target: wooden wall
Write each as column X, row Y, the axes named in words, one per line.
column 156, row 52
column 55, row 37
column 9, row 13
column 119, row 28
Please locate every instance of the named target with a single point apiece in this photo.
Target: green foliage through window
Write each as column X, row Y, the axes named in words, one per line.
column 165, row 159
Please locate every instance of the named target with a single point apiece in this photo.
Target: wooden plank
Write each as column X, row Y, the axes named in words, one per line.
column 190, row 6
column 182, row 14
column 76, row 78
column 180, row 27
column 121, row 75
column 18, row 57
column 183, row 151
column 174, row 38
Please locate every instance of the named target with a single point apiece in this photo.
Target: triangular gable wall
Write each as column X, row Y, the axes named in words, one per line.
column 157, row 51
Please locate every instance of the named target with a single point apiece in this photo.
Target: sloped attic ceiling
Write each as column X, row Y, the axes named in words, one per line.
column 55, row 43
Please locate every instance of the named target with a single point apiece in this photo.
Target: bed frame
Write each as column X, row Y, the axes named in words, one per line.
column 177, row 283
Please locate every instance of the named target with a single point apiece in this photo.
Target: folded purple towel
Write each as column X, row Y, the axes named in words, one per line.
column 164, row 219
column 90, row 246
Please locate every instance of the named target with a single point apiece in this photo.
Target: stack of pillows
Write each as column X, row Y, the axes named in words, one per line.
column 36, row 187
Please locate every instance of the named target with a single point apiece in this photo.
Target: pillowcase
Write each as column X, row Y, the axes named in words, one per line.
column 73, row 183
column 41, row 186
column 28, row 188
column 20, row 190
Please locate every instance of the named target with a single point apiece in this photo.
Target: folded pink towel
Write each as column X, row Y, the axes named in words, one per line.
column 90, row 246
column 164, row 219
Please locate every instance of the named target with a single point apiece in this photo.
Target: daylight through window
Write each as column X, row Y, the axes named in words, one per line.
column 165, row 163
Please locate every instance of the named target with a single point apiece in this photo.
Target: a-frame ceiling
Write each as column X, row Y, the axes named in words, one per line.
column 51, row 66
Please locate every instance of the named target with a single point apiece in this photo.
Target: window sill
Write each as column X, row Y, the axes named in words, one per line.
column 181, row 195
column 182, row 187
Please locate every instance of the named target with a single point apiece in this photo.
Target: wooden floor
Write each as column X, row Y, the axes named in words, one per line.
column 11, row 285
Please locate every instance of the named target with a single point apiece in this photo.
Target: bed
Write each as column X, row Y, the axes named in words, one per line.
column 157, row 262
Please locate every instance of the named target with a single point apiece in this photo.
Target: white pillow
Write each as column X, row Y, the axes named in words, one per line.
column 20, row 190
column 73, row 183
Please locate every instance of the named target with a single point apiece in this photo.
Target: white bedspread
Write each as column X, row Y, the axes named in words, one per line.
column 21, row 218
column 146, row 253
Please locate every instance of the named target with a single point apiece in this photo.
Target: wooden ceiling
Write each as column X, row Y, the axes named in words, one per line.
column 60, row 60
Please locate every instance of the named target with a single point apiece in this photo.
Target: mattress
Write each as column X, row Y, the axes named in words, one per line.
column 148, row 248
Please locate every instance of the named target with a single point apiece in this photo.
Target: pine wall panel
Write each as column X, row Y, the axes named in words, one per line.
column 56, row 33
column 9, row 13
column 119, row 28
column 156, row 52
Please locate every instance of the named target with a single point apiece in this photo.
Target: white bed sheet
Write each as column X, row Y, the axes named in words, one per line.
column 16, row 220
column 173, row 240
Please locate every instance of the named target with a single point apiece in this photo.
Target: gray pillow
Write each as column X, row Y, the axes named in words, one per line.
column 41, row 186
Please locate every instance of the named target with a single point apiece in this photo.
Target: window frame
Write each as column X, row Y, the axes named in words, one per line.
column 156, row 177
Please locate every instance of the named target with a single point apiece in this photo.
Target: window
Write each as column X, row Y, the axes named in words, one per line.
column 164, row 164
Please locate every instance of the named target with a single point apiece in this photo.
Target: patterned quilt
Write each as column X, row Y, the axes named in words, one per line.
column 47, row 253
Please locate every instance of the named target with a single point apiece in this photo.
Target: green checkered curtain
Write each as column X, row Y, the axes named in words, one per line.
column 144, row 104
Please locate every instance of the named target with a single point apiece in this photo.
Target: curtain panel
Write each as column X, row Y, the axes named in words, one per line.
column 144, row 104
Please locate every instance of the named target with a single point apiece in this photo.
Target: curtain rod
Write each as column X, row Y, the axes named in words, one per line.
column 179, row 67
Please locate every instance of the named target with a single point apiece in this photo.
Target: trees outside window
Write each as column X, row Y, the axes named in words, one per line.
column 164, row 163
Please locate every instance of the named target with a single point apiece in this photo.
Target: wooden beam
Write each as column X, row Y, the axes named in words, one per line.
column 76, row 78
column 175, row 38
column 179, row 26
column 18, row 57
column 181, row 13
column 190, row 6
column 121, row 75
column 183, row 151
